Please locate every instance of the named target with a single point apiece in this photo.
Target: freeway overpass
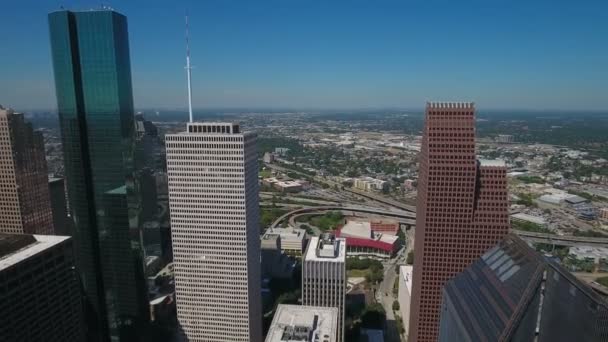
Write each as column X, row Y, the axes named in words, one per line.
column 366, row 194
column 409, row 217
column 404, row 216
column 559, row 240
column 382, row 199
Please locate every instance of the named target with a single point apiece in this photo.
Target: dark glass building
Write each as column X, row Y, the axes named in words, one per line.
column 59, row 206
column 496, row 298
column 91, row 63
column 514, row 294
column 572, row 311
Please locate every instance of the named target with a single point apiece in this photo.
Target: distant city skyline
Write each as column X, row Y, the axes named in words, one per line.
column 296, row 54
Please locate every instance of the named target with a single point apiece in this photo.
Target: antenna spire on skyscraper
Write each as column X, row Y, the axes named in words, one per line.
column 188, row 69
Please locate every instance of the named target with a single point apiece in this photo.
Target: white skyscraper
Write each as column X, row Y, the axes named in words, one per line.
column 324, row 276
column 213, row 195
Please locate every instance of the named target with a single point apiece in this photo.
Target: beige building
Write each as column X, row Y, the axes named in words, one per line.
column 324, row 276
column 369, row 184
column 293, row 240
column 213, row 198
column 405, row 294
column 25, row 203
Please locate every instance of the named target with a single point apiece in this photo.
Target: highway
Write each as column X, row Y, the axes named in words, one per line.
column 408, row 217
column 405, row 216
column 384, row 295
column 376, row 197
column 561, row 240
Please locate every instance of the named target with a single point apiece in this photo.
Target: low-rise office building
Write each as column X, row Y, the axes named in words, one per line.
column 587, row 253
column 303, row 323
column 369, row 183
column 324, row 276
column 293, row 240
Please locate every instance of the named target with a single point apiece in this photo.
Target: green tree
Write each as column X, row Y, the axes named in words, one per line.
column 395, row 306
column 373, row 317
column 410, row 258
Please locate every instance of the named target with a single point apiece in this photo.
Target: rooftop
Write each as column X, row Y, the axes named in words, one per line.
column 492, row 163
column 587, row 252
column 15, row 248
column 359, row 229
column 303, row 323
column 213, row 127
column 287, row 233
column 529, row 218
column 326, row 249
column 9, row 243
column 491, row 295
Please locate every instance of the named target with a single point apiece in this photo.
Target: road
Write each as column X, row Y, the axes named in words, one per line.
column 367, row 195
column 385, row 296
column 562, row 240
column 403, row 216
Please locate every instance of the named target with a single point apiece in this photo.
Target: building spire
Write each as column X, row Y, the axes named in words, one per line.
column 188, row 69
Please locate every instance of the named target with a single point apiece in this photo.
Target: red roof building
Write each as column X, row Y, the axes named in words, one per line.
column 363, row 240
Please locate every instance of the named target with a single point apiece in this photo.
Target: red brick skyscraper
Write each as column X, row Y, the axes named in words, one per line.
column 462, row 210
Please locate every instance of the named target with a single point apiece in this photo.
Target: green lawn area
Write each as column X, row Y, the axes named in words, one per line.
column 328, row 221
column 530, row 227
column 602, row 281
column 590, row 233
column 265, row 173
column 268, row 215
column 357, row 273
column 531, row 179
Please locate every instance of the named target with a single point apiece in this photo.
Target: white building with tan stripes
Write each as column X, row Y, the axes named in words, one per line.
column 213, row 195
column 324, row 276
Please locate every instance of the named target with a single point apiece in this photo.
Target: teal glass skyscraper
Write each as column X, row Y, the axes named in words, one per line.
column 92, row 69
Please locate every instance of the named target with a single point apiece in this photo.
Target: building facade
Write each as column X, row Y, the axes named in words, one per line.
column 293, row 240
column 24, row 195
column 362, row 240
column 462, row 210
column 571, row 310
column 59, row 207
column 512, row 293
column 324, row 276
column 497, row 298
column 404, row 294
column 92, row 70
column 214, row 207
column 303, row 323
column 39, row 291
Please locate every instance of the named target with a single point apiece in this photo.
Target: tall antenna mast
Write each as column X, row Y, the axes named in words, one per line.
column 188, row 69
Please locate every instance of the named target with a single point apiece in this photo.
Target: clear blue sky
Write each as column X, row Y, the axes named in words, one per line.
column 336, row 54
